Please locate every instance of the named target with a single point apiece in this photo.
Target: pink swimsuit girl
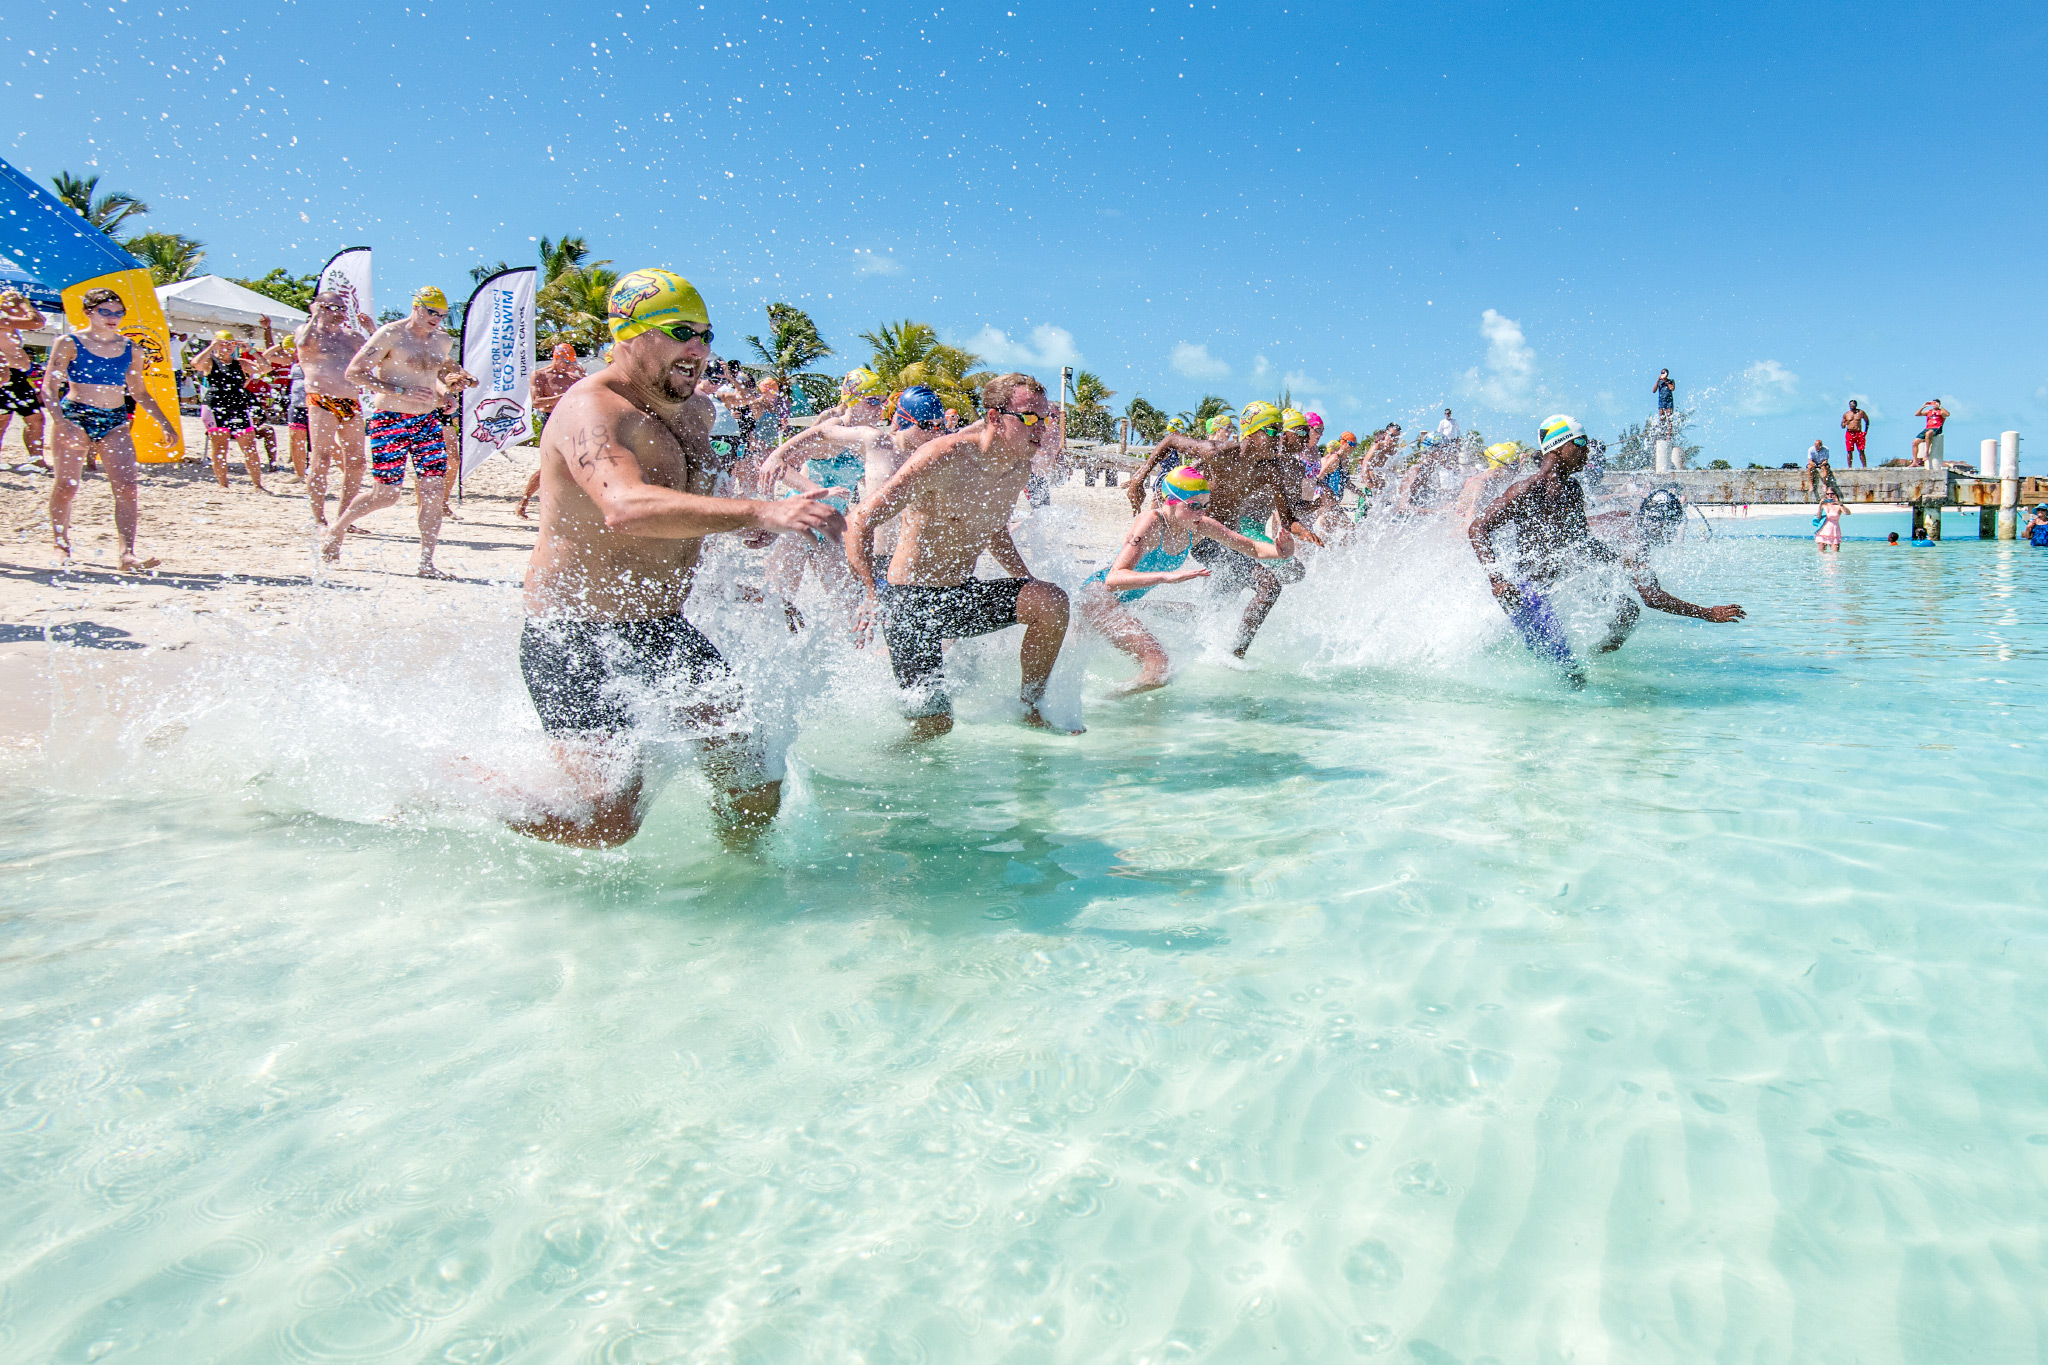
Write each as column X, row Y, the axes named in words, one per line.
column 1830, row 532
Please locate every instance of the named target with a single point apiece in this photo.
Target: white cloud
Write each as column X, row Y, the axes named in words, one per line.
column 1196, row 363
column 1509, row 378
column 1768, row 389
column 1261, row 367
column 868, row 263
column 1315, row 395
column 1049, row 348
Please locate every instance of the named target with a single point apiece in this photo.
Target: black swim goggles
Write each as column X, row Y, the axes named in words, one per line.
column 1029, row 419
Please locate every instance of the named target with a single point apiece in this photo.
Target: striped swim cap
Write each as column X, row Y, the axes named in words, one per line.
column 1556, row 431
column 1184, row 483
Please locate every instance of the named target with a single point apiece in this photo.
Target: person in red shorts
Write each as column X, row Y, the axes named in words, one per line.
column 1855, row 431
column 1923, row 444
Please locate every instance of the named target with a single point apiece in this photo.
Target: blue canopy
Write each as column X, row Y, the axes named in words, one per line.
column 44, row 240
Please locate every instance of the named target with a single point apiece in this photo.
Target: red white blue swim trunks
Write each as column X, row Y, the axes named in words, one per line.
column 396, row 435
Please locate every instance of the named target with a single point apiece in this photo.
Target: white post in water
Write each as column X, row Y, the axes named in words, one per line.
column 1987, row 458
column 1663, row 456
column 2008, row 485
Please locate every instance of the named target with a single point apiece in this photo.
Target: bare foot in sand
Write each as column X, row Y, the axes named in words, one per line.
column 133, row 563
column 438, row 575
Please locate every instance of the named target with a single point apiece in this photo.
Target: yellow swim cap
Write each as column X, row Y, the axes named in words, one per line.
column 1501, row 454
column 1218, row 423
column 1257, row 417
column 430, row 297
column 646, row 299
column 1293, row 419
column 223, row 335
column 861, row 382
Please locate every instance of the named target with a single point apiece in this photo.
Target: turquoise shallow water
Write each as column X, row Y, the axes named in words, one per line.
column 1384, row 1000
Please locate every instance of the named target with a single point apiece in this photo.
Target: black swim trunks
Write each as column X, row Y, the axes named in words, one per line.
column 22, row 394
column 587, row 675
column 916, row 619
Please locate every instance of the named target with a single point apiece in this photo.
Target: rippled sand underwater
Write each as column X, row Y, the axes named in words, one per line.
column 1385, row 999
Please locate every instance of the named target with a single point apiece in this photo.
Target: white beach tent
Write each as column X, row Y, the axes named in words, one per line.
column 206, row 304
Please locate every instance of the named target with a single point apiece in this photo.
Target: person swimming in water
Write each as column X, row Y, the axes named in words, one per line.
column 1155, row 552
column 1553, row 541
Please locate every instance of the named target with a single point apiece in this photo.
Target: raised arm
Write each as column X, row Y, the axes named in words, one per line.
column 1173, row 443
column 361, row 370
column 794, row 451
column 910, row 479
column 606, row 465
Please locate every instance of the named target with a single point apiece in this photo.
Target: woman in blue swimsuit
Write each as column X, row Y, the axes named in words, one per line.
column 92, row 384
column 1154, row 553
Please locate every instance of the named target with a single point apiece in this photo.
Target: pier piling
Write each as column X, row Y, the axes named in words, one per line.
column 2008, row 485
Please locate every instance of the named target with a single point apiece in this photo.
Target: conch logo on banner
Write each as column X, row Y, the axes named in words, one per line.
column 498, row 422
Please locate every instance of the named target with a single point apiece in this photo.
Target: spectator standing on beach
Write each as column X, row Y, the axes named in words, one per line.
column 1923, row 445
column 21, row 379
column 1855, row 432
column 1447, row 430
column 1667, row 397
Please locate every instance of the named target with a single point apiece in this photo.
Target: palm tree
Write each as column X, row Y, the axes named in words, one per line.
column 107, row 212
column 479, row 273
column 1147, row 421
column 897, row 346
column 949, row 372
column 1212, row 405
column 573, row 307
column 170, row 256
column 1090, row 414
column 567, row 254
column 793, row 343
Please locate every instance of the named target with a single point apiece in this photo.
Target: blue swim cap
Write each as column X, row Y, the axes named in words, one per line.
column 922, row 406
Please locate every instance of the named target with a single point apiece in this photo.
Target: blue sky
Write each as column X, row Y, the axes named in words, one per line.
column 1511, row 210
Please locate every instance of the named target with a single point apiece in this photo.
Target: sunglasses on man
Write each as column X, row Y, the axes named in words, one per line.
column 1029, row 419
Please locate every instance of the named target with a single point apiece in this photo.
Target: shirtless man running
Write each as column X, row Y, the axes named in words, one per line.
column 1552, row 542
column 334, row 411
column 406, row 372
column 955, row 496
column 1246, row 481
column 624, row 509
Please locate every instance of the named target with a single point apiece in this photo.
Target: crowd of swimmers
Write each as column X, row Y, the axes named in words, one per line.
column 889, row 501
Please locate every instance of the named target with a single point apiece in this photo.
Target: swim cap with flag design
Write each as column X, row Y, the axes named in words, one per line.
column 430, row 296
column 1556, row 431
column 646, row 299
column 1293, row 419
column 1257, row 417
column 1184, row 483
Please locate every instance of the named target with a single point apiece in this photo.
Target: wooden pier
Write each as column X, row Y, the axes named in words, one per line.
column 1911, row 487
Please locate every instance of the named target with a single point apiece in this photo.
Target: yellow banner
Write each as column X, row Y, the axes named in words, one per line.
column 146, row 327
